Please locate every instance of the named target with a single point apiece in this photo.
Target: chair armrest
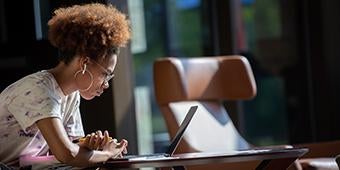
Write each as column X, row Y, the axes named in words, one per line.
column 319, row 163
column 321, row 149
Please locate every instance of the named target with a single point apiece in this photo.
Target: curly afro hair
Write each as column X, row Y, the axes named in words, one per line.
column 94, row 30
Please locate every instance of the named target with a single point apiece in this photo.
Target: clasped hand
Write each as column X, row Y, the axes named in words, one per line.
column 103, row 142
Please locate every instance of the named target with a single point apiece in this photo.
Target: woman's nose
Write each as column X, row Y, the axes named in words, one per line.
column 105, row 85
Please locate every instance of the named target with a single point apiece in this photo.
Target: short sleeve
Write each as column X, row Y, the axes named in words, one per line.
column 34, row 104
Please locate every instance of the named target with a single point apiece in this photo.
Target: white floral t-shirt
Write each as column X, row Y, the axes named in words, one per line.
column 32, row 98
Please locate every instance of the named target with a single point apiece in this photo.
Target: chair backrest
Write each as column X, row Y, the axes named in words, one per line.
column 206, row 82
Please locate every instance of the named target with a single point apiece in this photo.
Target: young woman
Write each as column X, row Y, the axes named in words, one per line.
column 40, row 112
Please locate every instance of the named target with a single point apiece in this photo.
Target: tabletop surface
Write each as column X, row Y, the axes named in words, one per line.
column 206, row 158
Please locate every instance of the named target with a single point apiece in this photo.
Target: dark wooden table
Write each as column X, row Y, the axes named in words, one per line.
column 275, row 159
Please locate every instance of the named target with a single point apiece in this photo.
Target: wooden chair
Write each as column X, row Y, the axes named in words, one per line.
column 206, row 82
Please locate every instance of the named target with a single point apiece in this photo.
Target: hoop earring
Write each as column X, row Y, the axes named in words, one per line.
column 83, row 73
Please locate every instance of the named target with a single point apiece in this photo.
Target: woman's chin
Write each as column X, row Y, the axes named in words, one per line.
column 87, row 97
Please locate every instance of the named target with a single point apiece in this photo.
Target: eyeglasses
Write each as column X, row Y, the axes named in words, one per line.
column 108, row 74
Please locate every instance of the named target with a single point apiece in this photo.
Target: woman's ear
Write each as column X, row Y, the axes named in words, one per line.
column 83, row 62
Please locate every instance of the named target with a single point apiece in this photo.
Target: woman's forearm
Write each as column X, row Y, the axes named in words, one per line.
column 66, row 151
column 82, row 157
